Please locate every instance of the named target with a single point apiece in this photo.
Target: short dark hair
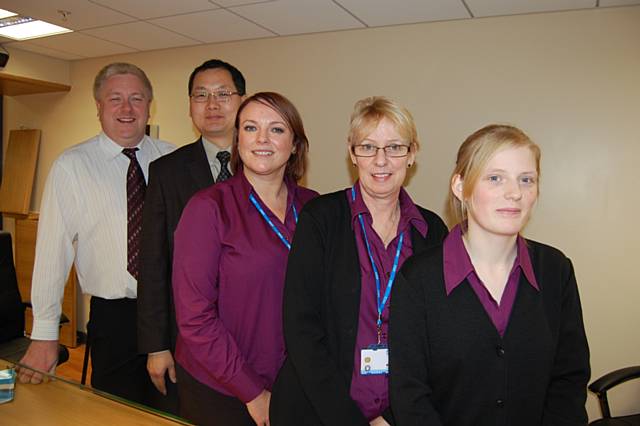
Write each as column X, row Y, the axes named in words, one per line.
column 236, row 75
column 297, row 162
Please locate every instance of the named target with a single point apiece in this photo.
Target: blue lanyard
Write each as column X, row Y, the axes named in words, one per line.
column 271, row 224
column 376, row 275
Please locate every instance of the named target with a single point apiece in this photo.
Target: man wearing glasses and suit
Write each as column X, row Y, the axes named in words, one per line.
column 216, row 90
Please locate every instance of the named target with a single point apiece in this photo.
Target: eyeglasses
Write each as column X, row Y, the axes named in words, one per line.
column 394, row 150
column 221, row 96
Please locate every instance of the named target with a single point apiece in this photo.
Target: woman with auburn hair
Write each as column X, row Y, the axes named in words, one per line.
column 231, row 248
column 345, row 254
column 487, row 329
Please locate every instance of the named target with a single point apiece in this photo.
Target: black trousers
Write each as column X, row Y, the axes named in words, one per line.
column 116, row 366
column 204, row 406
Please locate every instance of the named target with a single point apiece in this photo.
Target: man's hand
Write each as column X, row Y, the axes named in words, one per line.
column 379, row 421
column 158, row 364
column 259, row 408
column 41, row 355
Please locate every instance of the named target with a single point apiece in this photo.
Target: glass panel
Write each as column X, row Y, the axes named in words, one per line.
column 64, row 401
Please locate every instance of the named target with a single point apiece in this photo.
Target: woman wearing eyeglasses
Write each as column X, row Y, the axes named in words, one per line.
column 230, row 255
column 346, row 251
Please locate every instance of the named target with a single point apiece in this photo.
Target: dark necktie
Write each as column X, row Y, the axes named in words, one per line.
column 223, row 157
column 136, row 187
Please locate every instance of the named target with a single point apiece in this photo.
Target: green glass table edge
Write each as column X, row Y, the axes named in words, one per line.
column 5, row 364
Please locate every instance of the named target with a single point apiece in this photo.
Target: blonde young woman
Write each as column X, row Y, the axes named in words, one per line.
column 346, row 252
column 487, row 329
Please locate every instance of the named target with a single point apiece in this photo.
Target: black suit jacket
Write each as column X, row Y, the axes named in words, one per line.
column 173, row 179
column 321, row 310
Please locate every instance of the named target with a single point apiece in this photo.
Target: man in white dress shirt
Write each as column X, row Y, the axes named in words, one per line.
column 86, row 218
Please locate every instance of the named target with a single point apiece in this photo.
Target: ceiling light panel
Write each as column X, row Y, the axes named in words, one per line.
column 6, row 14
column 31, row 29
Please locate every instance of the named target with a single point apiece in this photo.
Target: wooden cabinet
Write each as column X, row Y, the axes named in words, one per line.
column 26, row 230
column 19, row 172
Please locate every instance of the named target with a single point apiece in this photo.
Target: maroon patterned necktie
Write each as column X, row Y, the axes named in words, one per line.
column 136, row 187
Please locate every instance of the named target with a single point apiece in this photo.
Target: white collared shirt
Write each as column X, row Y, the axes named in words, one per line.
column 83, row 220
column 211, row 150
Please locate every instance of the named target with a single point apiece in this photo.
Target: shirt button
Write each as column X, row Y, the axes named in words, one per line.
column 499, row 403
column 500, row 351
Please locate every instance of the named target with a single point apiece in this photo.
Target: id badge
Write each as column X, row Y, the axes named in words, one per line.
column 374, row 360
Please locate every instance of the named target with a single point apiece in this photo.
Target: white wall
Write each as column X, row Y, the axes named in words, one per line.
column 571, row 80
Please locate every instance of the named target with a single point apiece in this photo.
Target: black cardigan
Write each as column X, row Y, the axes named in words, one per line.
column 321, row 310
column 449, row 365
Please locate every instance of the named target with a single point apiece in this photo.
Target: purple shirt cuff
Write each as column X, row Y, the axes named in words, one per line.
column 246, row 385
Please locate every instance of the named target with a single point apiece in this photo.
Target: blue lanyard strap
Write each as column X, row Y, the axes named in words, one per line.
column 270, row 222
column 380, row 303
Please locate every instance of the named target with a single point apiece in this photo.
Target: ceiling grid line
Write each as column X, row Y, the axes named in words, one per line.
column 135, row 18
column 243, row 4
column 61, row 51
column 120, row 26
column 351, row 13
column 175, row 32
column 466, row 6
column 230, row 10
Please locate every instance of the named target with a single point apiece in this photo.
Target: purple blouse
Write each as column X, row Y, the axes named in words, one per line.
column 228, row 279
column 458, row 267
column 370, row 392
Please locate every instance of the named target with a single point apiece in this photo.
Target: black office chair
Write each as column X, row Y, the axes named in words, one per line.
column 600, row 388
column 13, row 343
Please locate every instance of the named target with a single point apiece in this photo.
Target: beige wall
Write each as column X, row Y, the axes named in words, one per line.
column 32, row 65
column 571, row 80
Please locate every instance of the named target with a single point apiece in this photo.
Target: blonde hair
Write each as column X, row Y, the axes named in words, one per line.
column 367, row 114
column 473, row 156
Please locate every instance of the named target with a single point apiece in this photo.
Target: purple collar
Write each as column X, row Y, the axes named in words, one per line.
column 409, row 213
column 246, row 189
column 458, row 266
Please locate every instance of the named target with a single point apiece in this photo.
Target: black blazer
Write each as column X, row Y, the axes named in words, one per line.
column 449, row 365
column 173, row 179
column 321, row 310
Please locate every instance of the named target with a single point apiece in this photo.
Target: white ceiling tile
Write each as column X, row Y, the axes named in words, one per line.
column 141, row 35
column 145, row 9
column 384, row 12
column 212, row 26
column 287, row 17
column 481, row 8
column 83, row 13
column 229, row 3
column 83, row 45
column 607, row 3
column 29, row 46
column 109, row 27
